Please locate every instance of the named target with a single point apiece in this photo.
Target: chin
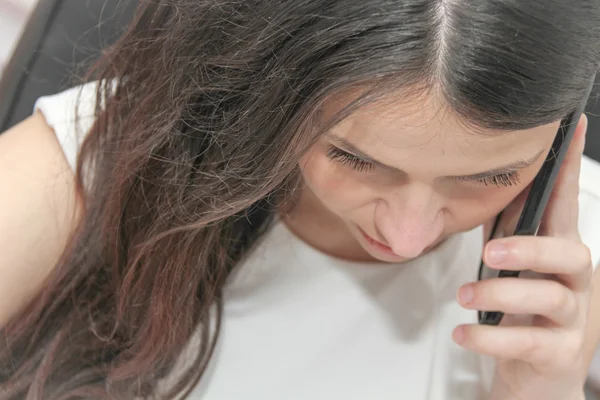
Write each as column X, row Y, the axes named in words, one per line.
column 393, row 259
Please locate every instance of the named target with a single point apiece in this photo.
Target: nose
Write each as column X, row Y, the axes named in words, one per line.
column 410, row 219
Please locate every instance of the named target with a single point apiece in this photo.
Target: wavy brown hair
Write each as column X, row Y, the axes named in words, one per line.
column 204, row 110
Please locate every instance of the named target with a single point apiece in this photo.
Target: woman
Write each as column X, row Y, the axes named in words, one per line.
column 314, row 180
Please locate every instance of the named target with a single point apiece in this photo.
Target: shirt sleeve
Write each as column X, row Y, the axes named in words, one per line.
column 71, row 115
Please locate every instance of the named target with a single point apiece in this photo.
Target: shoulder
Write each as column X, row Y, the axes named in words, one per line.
column 70, row 114
column 38, row 213
column 589, row 206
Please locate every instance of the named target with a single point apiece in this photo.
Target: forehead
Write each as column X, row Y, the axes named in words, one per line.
column 423, row 129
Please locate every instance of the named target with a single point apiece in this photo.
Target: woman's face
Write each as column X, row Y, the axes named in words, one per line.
column 400, row 178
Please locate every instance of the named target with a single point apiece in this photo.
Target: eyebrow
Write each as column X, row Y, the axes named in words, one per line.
column 511, row 167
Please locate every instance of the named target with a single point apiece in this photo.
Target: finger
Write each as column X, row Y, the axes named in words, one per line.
column 542, row 297
column 542, row 347
column 569, row 260
column 561, row 215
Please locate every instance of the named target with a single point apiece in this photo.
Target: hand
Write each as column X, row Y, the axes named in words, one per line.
column 538, row 345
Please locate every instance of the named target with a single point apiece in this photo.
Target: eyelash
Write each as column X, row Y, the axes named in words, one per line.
column 357, row 164
column 345, row 158
column 502, row 180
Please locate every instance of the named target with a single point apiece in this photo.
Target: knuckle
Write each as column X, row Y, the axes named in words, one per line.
column 592, row 289
column 553, row 350
column 567, row 353
column 586, row 259
column 586, row 253
column 532, row 348
column 533, row 253
column 491, row 294
column 572, row 348
column 561, row 299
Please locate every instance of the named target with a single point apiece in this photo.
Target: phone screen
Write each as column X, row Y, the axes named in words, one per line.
column 524, row 218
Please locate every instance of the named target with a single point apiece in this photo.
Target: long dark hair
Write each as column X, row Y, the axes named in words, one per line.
column 204, row 109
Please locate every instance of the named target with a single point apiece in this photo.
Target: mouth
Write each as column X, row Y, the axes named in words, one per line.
column 384, row 248
column 377, row 244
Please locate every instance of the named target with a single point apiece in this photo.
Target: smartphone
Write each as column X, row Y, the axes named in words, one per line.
column 526, row 221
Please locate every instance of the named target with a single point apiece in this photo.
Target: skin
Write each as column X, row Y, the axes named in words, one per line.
column 39, row 215
column 546, row 359
column 421, row 203
column 398, row 212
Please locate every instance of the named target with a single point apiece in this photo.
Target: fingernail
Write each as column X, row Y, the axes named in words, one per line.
column 496, row 253
column 466, row 294
column 459, row 334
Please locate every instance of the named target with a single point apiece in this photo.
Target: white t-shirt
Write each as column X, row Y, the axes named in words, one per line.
column 298, row 324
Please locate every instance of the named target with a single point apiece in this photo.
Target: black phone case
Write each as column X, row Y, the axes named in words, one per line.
column 537, row 199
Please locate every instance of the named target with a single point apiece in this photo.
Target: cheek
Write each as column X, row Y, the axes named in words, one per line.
column 470, row 212
column 333, row 184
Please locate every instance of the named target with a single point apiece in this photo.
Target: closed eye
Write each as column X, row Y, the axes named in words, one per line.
column 350, row 160
column 500, row 180
column 358, row 164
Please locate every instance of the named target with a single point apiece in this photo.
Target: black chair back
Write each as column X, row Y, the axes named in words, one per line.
column 61, row 37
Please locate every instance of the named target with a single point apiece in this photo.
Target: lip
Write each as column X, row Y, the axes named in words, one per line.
column 377, row 244
column 387, row 249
